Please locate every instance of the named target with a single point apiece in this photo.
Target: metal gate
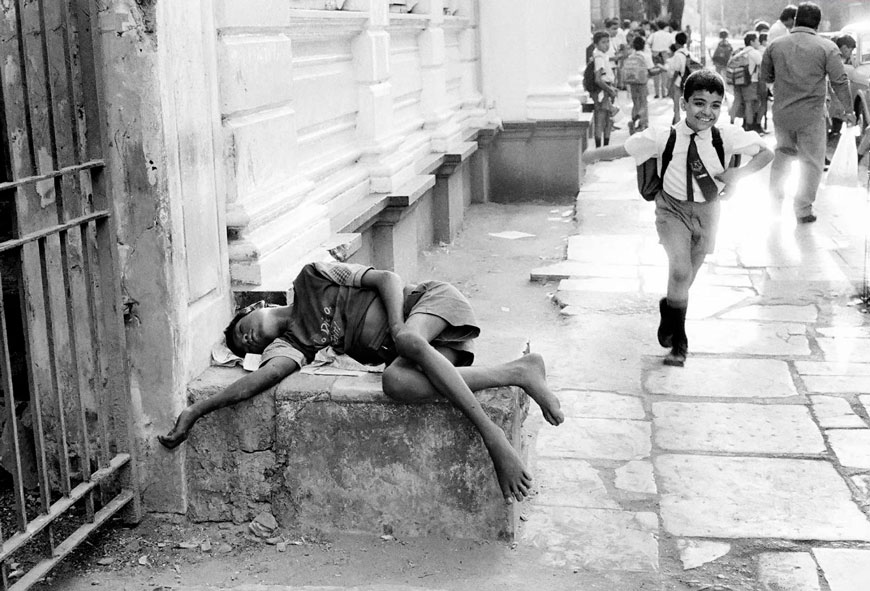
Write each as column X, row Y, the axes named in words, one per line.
column 63, row 381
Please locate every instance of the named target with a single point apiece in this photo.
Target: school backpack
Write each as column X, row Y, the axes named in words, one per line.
column 692, row 65
column 589, row 77
column 723, row 53
column 737, row 71
column 649, row 180
column 634, row 69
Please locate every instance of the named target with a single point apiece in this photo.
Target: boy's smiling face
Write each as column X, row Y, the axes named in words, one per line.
column 702, row 109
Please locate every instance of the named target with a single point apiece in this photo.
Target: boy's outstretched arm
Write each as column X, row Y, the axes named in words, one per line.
column 245, row 387
column 591, row 155
column 756, row 163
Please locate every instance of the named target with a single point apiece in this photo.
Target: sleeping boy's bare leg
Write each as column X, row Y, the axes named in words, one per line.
column 404, row 381
column 413, row 343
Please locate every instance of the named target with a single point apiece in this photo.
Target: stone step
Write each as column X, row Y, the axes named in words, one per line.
column 276, row 272
column 335, row 454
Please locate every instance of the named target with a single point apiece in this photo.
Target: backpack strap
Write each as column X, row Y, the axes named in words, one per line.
column 718, row 145
column 669, row 152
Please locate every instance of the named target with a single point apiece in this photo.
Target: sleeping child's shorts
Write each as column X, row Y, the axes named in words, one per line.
column 445, row 301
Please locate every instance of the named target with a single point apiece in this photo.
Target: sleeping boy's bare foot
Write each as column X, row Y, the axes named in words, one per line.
column 179, row 432
column 513, row 479
column 532, row 377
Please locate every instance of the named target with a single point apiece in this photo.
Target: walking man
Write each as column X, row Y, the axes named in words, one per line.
column 797, row 65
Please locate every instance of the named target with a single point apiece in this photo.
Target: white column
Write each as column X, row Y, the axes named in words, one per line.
column 556, row 30
column 532, row 56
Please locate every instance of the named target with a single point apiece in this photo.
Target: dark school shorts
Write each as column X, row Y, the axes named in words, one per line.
column 682, row 222
column 446, row 302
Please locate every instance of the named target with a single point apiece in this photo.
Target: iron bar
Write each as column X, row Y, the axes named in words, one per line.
column 22, row 64
column 58, row 508
column 72, row 542
column 76, row 168
column 45, row 232
column 11, row 418
column 96, row 338
column 47, row 291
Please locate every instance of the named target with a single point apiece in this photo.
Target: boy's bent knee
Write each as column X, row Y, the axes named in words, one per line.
column 410, row 344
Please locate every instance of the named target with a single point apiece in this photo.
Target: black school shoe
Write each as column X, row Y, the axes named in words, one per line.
column 807, row 219
column 665, row 332
column 677, row 356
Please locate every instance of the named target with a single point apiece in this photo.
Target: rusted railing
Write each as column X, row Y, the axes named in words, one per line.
column 62, row 356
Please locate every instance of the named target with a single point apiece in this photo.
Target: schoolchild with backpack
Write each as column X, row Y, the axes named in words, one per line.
column 742, row 74
column 682, row 64
column 722, row 53
column 637, row 69
column 687, row 170
column 599, row 81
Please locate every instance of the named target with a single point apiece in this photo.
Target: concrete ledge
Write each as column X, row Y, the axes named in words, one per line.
column 335, row 454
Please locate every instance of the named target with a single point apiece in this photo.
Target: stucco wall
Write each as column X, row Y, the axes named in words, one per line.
column 242, row 135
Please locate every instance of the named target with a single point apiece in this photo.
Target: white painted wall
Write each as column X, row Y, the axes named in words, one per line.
column 531, row 55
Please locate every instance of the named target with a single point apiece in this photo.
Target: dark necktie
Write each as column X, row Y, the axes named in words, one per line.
column 695, row 168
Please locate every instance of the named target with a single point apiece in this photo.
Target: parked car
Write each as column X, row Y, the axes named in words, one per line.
column 859, row 70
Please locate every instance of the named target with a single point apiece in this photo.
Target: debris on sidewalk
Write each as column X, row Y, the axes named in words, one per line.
column 511, row 235
column 264, row 525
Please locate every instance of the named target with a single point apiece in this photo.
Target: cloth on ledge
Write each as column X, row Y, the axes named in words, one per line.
column 326, row 362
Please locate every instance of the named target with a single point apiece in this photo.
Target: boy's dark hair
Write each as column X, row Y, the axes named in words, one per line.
column 681, row 38
column 808, row 15
column 638, row 43
column 845, row 41
column 661, row 24
column 626, row 24
column 703, row 80
column 610, row 23
column 724, row 34
column 599, row 35
column 748, row 38
column 761, row 26
column 788, row 13
column 762, row 37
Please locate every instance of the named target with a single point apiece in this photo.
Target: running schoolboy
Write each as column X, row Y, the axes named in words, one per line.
column 422, row 332
column 687, row 207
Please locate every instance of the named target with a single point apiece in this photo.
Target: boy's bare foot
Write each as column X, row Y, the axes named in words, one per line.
column 513, row 479
column 179, row 432
column 533, row 379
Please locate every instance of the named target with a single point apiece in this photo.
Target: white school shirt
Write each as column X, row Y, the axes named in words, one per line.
column 650, row 143
column 660, row 40
column 602, row 62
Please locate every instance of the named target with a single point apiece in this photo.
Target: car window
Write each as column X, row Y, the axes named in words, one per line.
column 864, row 46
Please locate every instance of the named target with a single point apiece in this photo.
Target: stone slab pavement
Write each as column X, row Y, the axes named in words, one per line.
column 759, row 448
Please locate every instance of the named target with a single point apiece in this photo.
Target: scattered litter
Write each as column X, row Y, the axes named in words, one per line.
column 143, row 560
column 514, row 545
column 274, row 540
column 523, row 517
column 281, row 546
column 205, row 546
column 105, row 561
column 554, row 211
column 16, row 573
column 388, row 538
column 567, row 213
column 187, row 545
column 161, row 544
column 511, row 235
column 176, row 568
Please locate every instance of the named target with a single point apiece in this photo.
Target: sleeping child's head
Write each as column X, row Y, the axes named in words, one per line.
column 254, row 327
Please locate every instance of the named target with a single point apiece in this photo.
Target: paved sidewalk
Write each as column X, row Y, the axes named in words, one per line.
column 752, row 463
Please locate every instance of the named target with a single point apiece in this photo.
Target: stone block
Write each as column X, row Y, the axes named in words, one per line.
column 229, row 456
column 335, row 454
column 351, row 459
